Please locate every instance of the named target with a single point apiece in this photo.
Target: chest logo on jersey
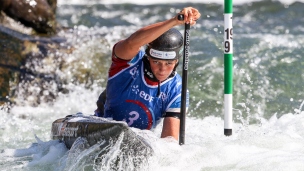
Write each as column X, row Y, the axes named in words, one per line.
column 135, row 89
column 146, row 96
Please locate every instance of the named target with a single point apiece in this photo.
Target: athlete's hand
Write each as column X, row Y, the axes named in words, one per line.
column 190, row 15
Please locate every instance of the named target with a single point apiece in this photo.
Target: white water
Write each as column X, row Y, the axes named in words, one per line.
column 275, row 144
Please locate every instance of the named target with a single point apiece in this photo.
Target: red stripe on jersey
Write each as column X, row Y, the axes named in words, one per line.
column 117, row 64
column 145, row 109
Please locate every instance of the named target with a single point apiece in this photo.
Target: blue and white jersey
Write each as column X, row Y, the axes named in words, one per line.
column 133, row 98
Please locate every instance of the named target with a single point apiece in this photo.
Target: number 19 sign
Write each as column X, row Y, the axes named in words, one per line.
column 228, row 67
column 228, row 34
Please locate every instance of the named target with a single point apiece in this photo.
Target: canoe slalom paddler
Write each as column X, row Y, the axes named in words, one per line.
column 143, row 86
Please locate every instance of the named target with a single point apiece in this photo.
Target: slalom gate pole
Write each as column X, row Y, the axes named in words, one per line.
column 228, row 66
column 184, row 82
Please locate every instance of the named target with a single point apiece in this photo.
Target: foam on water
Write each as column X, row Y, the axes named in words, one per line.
column 274, row 144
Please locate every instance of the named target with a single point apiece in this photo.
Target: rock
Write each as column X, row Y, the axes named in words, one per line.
column 37, row 14
column 22, row 57
column 4, row 4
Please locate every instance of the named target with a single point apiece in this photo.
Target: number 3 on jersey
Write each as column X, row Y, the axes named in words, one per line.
column 133, row 117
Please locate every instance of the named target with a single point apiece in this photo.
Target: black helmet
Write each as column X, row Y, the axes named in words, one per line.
column 167, row 46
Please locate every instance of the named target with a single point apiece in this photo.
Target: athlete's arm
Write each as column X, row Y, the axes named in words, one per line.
column 128, row 48
column 170, row 127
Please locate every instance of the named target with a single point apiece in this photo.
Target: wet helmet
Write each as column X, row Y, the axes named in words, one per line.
column 167, row 46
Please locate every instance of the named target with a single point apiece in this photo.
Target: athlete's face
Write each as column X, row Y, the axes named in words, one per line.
column 162, row 68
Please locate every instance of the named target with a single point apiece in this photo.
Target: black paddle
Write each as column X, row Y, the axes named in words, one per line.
column 184, row 81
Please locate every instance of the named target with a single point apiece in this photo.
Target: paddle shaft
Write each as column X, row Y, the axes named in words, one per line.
column 184, row 82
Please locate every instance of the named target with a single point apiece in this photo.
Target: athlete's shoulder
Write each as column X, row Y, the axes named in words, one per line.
column 119, row 65
column 137, row 58
column 176, row 80
column 178, row 77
